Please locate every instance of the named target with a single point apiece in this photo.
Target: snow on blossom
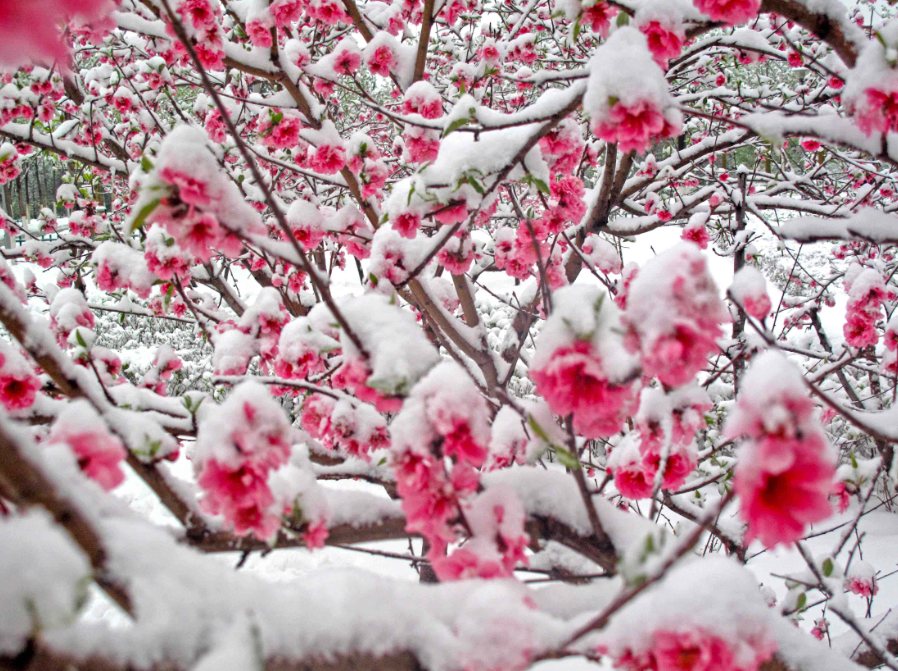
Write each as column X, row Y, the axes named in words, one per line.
column 98, row 452
column 508, row 440
column 627, row 96
column 306, row 223
column 497, row 543
column 866, row 293
column 674, row 315
column 601, row 254
column 18, row 383
column 121, row 266
column 697, row 231
column 381, row 54
column 238, row 444
column 398, row 352
column 785, row 471
column 666, row 424
column 713, row 619
column 861, row 579
column 444, row 417
column 422, row 98
column 580, row 365
column 355, row 427
column 186, row 168
column 729, row 11
column 68, row 311
column 749, row 290
column 10, row 163
column 301, row 348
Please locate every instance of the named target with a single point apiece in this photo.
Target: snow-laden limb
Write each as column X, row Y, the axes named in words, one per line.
column 868, row 224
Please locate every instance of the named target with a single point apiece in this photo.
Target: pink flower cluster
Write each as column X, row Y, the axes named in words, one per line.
column 692, row 649
column 599, row 17
column 635, row 127
column 188, row 217
column 878, row 111
column 866, row 293
column 10, row 163
column 574, row 380
column 439, row 439
column 665, row 41
column 665, row 427
column 785, row 473
column 861, row 579
column 674, row 314
column 354, row 375
column 237, row 447
column 18, row 383
column 729, row 11
column 98, row 452
column 356, row 428
column 497, row 542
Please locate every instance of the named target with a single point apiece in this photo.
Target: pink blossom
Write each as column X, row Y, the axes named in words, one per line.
column 286, row 133
column 315, row 535
column 664, row 42
column 347, row 62
column 697, row 233
column 599, row 17
column 99, row 455
column 259, row 33
column 190, row 190
column 634, row 127
column 18, row 390
column 240, row 494
column 451, row 214
column 421, row 146
column 407, row 224
column 862, row 586
column 463, row 564
column 328, row 159
column 784, row 476
column 199, row 234
column 879, row 111
column 574, row 381
column 674, row 315
column 199, row 13
column 285, row 12
column 382, row 60
column 729, row 11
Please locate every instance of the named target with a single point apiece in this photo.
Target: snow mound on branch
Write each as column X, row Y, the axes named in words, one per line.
column 45, row 578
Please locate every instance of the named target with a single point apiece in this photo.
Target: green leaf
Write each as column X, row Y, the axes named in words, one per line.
column 541, row 186
column 567, row 458
column 80, row 338
column 537, row 429
column 622, row 19
column 382, row 461
column 455, row 125
column 802, row 601
column 828, row 567
column 146, row 164
column 144, row 212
